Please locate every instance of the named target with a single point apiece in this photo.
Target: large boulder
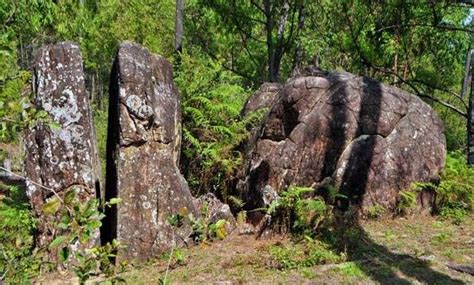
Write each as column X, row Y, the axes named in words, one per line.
column 60, row 155
column 369, row 140
column 142, row 155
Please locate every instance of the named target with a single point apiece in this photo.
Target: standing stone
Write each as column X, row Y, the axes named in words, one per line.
column 61, row 155
column 143, row 147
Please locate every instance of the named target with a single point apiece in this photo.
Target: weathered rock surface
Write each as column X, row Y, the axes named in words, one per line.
column 63, row 157
column 369, row 140
column 142, row 155
column 262, row 98
column 216, row 210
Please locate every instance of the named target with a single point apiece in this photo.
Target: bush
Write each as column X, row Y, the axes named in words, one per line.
column 17, row 261
column 299, row 210
column 455, row 193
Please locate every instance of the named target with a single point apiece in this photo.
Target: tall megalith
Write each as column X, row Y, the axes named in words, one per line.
column 61, row 154
column 143, row 144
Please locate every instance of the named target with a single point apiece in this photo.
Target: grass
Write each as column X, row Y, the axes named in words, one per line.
column 399, row 251
column 409, row 250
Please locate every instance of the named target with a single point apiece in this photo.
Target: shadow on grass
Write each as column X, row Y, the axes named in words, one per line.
column 380, row 263
column 377, row 261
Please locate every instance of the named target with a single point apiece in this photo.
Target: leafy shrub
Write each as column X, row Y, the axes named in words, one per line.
column 455, row 193
column 78, row 225
column 212, row 99
column 298, row 209
column 100, row 124
column 17, row 256
column 16, row 110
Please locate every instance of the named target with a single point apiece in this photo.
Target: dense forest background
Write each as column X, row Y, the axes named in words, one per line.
column 222, row 51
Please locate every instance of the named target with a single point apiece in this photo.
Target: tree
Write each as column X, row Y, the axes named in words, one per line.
column 179, row 25
column 252, row 36
column 470, row 118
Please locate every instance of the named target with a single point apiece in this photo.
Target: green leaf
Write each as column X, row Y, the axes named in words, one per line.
column 64, row 254
column 220, row 223
column 221, row 233
column 114, row 201
column 54, row 126
column 52, row 206
column 56, row 242
column 63, row 226
column 69, row 197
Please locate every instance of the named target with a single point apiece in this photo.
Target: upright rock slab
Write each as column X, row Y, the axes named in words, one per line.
column 369, row 140
column 142, row 154
column 62, row 155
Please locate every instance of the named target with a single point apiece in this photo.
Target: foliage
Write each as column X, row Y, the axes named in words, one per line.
column 406, row 201
column 298, row 210
column 375, row 211
column 17, row 262
column 306, row 253
column 455, row 193
column 16, row 111
column 77, row 224
column 212, row 128
column 203, row 229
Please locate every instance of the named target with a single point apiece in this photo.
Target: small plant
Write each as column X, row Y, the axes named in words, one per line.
column 202, row 227
column 455, row 193
column 78, row 225
column 375, row 211
column 241, row 217
column 299, row 210
column 406, row 201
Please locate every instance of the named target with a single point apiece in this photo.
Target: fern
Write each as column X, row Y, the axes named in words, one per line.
column 212, row 98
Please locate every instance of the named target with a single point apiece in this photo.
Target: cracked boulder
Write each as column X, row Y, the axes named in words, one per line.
column 368, row 140
column 262, row 98
column 142, row 155
column 60, row 155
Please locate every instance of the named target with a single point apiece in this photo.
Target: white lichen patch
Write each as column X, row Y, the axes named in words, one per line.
column 138, row 107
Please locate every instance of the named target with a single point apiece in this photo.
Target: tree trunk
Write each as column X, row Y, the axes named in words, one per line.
column 270, row 46
column 470, row 121
column 179, row 25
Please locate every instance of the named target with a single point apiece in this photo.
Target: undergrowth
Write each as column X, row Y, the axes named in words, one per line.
column 306, row 253
column 212, row 98
column 455, row 193
column 76, row 224
column 17, row 225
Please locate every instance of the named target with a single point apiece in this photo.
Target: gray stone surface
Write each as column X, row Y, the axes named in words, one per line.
column 216, row 210
column 369, row 140
column 63, row 157
column 262, row 98
column 142, row 155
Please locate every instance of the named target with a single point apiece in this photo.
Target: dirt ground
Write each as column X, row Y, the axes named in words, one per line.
column 395, row 251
